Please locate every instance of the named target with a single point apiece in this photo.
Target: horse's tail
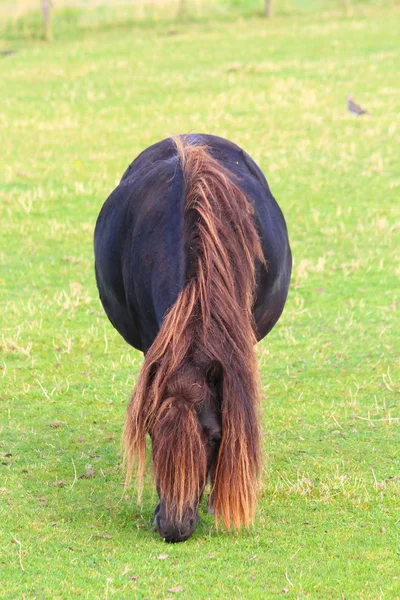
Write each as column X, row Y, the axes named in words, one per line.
column 210, row 324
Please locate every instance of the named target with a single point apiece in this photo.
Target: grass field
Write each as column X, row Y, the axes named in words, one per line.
column 73, row 114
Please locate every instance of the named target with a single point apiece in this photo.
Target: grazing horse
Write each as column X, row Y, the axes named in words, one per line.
column 193, row 266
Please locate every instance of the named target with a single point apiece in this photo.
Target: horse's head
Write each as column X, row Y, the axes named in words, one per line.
column 186, row 438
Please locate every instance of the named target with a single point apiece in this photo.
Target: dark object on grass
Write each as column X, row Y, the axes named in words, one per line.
column 7, row 52
column 193, row 266
column 353, row 108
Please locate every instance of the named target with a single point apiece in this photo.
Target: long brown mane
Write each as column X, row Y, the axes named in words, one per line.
column 210, row 323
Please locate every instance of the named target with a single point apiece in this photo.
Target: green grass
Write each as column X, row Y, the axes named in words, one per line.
column 73, row 115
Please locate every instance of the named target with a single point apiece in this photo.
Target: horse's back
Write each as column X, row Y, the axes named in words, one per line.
column 274, row 277
column 141, row 262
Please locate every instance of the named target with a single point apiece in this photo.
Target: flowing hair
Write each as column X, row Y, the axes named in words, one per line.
column 211, row 323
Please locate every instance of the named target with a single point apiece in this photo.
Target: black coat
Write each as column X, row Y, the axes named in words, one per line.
column 140, row 256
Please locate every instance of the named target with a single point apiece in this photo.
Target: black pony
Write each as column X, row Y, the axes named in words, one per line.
column 193, row 266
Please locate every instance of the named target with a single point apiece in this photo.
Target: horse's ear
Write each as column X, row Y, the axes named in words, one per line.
column 214, row 374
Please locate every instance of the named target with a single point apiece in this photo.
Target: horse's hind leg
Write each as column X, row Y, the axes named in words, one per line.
column 210, row 504
column 210, row 501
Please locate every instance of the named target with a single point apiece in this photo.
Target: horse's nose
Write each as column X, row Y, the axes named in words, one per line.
column 175, row 532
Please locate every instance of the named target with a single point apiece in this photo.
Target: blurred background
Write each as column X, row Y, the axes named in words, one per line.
column 93, row 13
column 85, row 87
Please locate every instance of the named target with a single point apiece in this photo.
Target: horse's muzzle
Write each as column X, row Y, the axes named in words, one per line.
column 174, row 531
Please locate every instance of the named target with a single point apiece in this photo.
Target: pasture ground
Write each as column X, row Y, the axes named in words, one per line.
column 73, row 114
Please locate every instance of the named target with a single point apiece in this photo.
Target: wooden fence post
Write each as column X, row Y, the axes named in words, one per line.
column 268, row 8
column 182, row 8
column 46, row 12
